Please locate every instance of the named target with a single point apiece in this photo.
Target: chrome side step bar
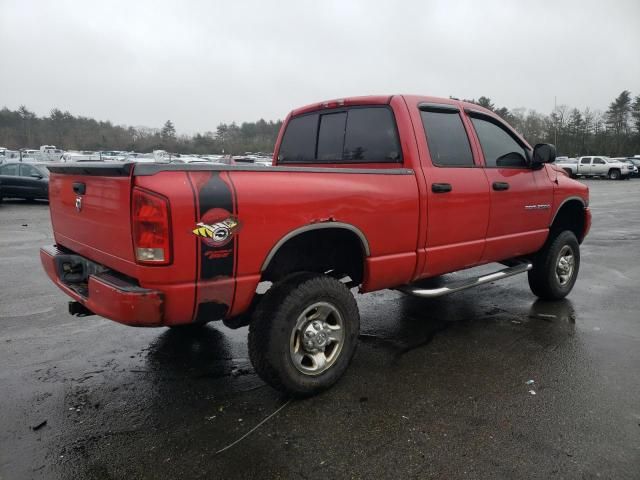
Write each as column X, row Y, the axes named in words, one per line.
column 459, row 285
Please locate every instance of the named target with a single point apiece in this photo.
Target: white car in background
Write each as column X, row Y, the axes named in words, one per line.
column 140, row 157
column 29, row 155
column 113, row 155
column 181, row 158
column 81, row 156
column 50, row 153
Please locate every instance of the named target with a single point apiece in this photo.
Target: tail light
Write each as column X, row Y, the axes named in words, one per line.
column 151, row 225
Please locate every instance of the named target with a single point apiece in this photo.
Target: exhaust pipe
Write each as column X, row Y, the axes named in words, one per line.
column 79, row 310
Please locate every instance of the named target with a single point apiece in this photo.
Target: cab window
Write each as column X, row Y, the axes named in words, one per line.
column 500, row 148
column 446, row 138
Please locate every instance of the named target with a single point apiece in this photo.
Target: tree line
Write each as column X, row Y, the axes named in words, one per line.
column 574, row 132
column 22, row 128
column 615, row 132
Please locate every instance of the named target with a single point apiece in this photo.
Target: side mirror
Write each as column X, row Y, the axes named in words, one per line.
column 544, row 153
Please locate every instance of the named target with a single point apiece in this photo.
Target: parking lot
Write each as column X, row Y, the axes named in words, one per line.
column 486, row 383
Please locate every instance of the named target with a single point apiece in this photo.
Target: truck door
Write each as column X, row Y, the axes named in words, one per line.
column 521, row 197
column 599, row 166
column 584, row 166
column 457, row 191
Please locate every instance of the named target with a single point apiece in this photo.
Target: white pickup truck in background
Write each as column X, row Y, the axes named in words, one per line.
column 596, row 166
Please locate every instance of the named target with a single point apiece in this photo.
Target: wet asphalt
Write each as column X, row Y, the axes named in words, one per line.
column 486, row 383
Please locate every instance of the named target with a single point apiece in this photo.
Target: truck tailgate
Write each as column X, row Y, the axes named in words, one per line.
column 90, row 212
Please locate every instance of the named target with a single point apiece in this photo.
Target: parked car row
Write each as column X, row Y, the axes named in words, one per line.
column 27, row 177
column 600, row 166
column 49, row 153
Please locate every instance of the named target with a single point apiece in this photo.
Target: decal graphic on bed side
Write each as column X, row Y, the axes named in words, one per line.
column 216, row 228
column 219, row 233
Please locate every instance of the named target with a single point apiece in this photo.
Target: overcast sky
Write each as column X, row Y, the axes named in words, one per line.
column 200, row 63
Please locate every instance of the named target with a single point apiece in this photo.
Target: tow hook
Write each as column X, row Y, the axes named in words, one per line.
column 79, row 310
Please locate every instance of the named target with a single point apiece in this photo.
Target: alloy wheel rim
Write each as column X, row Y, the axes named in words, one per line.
column 565, row 265
column 317, row 338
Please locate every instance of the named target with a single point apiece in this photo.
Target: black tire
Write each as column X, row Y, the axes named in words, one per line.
column 545, row 280
column 273, row 329
column 188, row 327
column 614, row 174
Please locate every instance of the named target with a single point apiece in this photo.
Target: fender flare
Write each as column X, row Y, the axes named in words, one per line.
column 311, row 227
column 567, row 200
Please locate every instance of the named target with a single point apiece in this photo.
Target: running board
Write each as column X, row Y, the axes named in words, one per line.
column 459, row 285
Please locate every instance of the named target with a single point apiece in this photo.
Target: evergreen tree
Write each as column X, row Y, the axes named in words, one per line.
column 635, row 114
column 486, row 103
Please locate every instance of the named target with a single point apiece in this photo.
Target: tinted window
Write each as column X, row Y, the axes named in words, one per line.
column 499, row 147
column 447, row 139
column 10, row 169
column 331, row 136
column 371, row 136
column 28, row 170
column 357, row 135
column 299, row 140
column 599, row 161
column 585, row 161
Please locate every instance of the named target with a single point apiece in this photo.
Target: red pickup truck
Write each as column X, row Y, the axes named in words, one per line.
column 369, row 192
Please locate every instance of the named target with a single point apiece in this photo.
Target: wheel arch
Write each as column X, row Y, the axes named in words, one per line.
column 321, row 234
column 570, row 216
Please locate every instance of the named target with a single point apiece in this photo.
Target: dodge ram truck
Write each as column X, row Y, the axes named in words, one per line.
column 365, row 193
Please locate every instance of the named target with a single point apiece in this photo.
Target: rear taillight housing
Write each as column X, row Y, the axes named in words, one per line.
column 151, row 226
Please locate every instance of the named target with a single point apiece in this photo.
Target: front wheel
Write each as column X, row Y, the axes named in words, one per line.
column 304, row 333
column 614, row 174
column 555, row 267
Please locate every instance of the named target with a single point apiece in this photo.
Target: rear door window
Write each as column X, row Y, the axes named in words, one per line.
column 447, row 139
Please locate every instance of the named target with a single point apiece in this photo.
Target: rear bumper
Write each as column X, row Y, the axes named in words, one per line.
column 109, row 296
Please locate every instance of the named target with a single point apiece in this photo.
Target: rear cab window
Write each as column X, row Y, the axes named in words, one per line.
column 358, row 134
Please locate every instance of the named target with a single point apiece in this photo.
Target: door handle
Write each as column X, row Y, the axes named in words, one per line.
column 79, row 188
column 500, row 186
column 441, row 187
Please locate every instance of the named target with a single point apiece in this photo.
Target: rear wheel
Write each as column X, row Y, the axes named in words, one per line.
column 614, row 174
column 304, row 333
column 555, row 267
